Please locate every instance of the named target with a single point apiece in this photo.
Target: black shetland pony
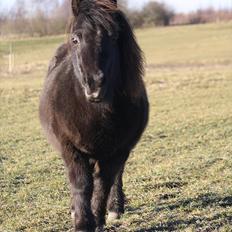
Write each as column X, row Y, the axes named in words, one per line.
column 94, row 108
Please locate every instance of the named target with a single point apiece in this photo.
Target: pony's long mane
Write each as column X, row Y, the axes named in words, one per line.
column 132, row 62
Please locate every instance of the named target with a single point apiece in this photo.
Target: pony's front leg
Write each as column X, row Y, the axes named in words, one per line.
column 103, row 179
column 116, row 199
column 80, row 176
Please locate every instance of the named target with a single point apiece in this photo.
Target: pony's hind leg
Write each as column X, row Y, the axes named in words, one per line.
column 116, row 200
column 80, row 176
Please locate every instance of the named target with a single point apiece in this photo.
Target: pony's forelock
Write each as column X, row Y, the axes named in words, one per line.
column 95, row 13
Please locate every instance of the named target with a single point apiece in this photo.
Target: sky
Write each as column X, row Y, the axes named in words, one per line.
column 177, row 5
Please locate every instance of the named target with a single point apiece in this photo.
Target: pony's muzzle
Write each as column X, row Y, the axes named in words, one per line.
column 94, row 86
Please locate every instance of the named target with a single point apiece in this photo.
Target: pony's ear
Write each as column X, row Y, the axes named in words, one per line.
column 75, row 6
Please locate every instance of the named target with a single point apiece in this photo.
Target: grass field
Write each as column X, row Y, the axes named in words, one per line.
column 179, row 177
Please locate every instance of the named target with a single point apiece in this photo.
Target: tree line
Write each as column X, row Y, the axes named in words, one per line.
column 45, row 17
column 35, row 18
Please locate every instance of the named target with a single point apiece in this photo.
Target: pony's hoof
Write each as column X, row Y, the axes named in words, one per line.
column 89, row 230
column 73, row 215
column 112, row 216
column 99, row 229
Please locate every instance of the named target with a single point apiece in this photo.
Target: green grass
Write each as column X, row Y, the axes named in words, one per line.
column 179, row 176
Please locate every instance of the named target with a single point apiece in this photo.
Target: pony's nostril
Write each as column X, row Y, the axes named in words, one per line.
column 90, row 82
column 100, row 75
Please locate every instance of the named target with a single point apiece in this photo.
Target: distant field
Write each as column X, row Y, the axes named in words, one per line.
column 179, row 177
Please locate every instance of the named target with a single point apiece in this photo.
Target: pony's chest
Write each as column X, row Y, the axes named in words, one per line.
column 108, row 133
column 98, row 129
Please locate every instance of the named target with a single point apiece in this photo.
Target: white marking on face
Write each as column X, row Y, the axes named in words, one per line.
column 96, row 94
column 93, row 95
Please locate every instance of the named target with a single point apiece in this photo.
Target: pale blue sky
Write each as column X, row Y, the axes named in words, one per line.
column 177, row 5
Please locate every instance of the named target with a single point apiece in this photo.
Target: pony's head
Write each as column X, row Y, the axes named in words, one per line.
column 94, row 47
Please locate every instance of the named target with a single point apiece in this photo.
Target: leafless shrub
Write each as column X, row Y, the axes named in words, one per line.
column 209, row 15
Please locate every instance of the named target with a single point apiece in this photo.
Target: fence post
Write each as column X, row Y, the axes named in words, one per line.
column 11, row 59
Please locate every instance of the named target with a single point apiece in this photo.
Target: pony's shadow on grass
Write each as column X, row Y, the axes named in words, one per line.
column 201, row 201
column 205, row 223
column 200, row 224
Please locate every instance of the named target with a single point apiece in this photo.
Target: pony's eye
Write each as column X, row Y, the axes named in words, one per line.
column 76, row 40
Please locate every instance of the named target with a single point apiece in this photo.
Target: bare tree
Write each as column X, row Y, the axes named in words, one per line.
column 61, row 16
column 43, row 21
column 136, row 18
column 123, row 5
column 18, row 15
column 2, row 19
column 157, row 14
